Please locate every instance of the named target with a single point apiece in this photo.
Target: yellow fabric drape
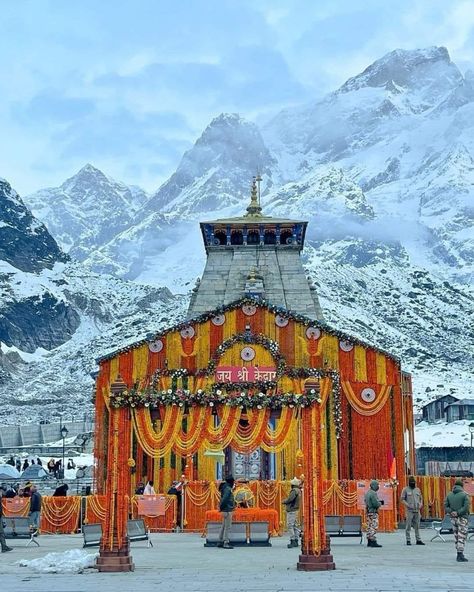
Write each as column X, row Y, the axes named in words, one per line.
column 140, row 362
column 360, row 362
column 380, row 363
column 331, row 351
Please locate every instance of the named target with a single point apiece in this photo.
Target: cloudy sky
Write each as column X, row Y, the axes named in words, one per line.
column 129, row 86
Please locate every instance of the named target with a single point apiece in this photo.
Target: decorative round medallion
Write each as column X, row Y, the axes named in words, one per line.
column 218, row 320
column 249, row 309
column 346, row 346
column 313, row 333
column 155, row 346
column 187, row 332
column 368, row 395
column 247, row 354
column 281, row 321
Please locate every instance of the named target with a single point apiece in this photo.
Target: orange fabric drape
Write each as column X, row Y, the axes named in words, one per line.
column 60, row 514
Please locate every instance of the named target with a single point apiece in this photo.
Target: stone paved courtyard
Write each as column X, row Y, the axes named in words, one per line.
column 180, row 562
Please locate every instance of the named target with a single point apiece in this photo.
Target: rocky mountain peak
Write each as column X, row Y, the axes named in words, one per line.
column 409, row 69
column 217, row 171
column 25, row 242
column 87, row 210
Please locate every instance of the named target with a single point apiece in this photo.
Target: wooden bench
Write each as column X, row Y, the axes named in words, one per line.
column 136, row 531
column 344, row 526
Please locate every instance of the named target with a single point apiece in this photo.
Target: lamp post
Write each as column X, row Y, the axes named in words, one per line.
column 471, row 429
column 64, row 433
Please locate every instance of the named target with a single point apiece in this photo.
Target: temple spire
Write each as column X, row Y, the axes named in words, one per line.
column 254, row 209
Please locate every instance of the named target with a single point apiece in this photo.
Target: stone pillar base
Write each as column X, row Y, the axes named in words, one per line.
column 323, row 562
column 113, row 561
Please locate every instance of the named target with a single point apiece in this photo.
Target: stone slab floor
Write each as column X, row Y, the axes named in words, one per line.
column 180, row 563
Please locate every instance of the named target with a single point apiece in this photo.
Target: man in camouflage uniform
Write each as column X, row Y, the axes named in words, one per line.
column 372, row 504
column 457, row 506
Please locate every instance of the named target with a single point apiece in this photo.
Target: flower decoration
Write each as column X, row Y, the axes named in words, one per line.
column 249, row 309
column 218, row 320
column 247, row 354
column 313, row 333
column 346, row 345
column 281, row 321
column 368, row 395
column 188, row 332
column 156, row 346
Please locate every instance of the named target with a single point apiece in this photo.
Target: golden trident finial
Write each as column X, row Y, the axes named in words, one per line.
column 254, row 210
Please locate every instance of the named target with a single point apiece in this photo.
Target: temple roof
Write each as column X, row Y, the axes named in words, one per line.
column 203, row 318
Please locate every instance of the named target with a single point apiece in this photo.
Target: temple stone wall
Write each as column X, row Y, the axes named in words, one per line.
column 227, row 269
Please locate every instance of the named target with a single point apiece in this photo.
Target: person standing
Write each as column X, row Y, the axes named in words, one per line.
column 26, row 464
column 149, row 489
column 412, row 499
column 3, row 542
column 372, row 505
column 292, row 505
column 35, row 509
column 226, row 506
column 457, row 506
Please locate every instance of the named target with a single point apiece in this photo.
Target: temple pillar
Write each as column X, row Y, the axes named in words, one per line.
column 114, row 555
column 316, row 549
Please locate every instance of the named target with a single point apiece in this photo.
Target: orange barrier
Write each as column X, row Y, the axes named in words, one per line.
column 16, row 506
column 95, row 509
column 200, row 497
column 340, row 497
column 249, row 515
column 60, row 514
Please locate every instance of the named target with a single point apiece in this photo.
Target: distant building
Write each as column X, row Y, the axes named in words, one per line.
column 436, row 410
column 463, row 409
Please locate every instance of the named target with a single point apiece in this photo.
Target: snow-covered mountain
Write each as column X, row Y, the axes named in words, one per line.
column 403, row 130
column 383, row 170
column 216, row 172
column 87, row 210
column 57, row 316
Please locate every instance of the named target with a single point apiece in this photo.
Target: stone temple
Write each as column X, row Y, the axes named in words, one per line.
column 255, row 255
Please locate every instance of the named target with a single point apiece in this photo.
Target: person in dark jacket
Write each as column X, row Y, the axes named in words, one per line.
column 226, row 506
column 372, row 505
column 26, row 464
column 457, row 506
column 292, row 505
column 11, row 461
column 61, row 491
column 3, row 542
column 35, row 509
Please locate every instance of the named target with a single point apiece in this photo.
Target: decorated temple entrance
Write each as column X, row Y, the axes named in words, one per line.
column 265, row 390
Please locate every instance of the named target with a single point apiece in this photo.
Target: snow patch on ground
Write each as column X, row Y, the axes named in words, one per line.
column 453, row 434
column 72, row 561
